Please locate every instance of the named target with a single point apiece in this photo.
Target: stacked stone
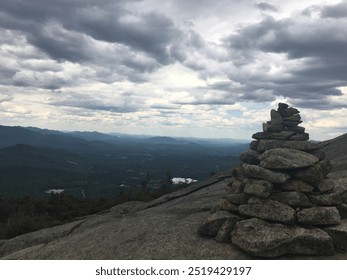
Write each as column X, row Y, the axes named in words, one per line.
column 280, row 201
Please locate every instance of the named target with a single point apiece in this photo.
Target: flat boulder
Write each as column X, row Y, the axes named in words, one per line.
column 264, row 145
column 268, row 209
column 283, row 158
column 296, row 185
column 293, row 199
column 254, row 171
column 261, row 239
column 319, row 216
column 327, row 199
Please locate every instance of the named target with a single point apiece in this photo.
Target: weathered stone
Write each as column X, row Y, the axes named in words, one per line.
column 276, row 127
column 290, row 112
column 266, row 127
column 329, row 199
column 293, row 118
column 261, row 135
column 238, row 199
column 262, row 239
column 276, row 118
column 298, row 129
column 263, row 145
column 319, row 154
column 282, row 158
column 236, row 187
column 250, row 157
column 254, row 171
column 291, row 123
column 300, row 137
column 276, row 123
column 315, row 173
column 283, row 135
column 344, row 197
column 296, row 185
column 319, row 216
column 237, row 173
column 293, row 199
column 225, row 205
column 256, row 187
column 282, row 107
column 268, row 209
column 215, row 221
column 342, row 208
column 223, row 235
column 326, row 185
column 339, row 235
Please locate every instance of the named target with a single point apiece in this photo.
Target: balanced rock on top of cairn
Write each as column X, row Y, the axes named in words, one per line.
column 280, row 201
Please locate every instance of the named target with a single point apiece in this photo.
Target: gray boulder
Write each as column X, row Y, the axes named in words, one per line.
column 254, row 171
column 223, row 235
column 215, row 221
column 342, row 208
column 282, row 135
column 235, row 187
column 261, row 135
column 262, row 239
column 238, row 198
column 319, row 216
column 263, row 145
column 296, row 185
column 282, row 158
column 300, row 137
column 328, row 199
column 315, row 173
column 293, row 199
column 257, row 187
column 225, row 205
column 250, row 157
column 268, row 209
column 326, row 185
column 339, row 235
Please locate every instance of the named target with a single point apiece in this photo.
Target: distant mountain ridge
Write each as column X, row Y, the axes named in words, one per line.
column 32, row 159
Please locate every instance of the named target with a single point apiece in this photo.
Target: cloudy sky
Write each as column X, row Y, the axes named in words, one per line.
column 203, row 68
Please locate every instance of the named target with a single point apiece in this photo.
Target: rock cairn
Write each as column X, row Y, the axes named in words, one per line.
column 280, row 201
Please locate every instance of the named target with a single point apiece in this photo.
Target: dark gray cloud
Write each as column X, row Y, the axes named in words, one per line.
column 316, row 46
column 63, row 29
column 266, row 7
column 335, row 11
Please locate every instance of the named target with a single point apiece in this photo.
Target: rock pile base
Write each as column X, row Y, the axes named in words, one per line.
column 280, row 201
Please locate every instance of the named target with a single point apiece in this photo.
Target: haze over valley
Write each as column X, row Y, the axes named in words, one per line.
column 34, row 160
